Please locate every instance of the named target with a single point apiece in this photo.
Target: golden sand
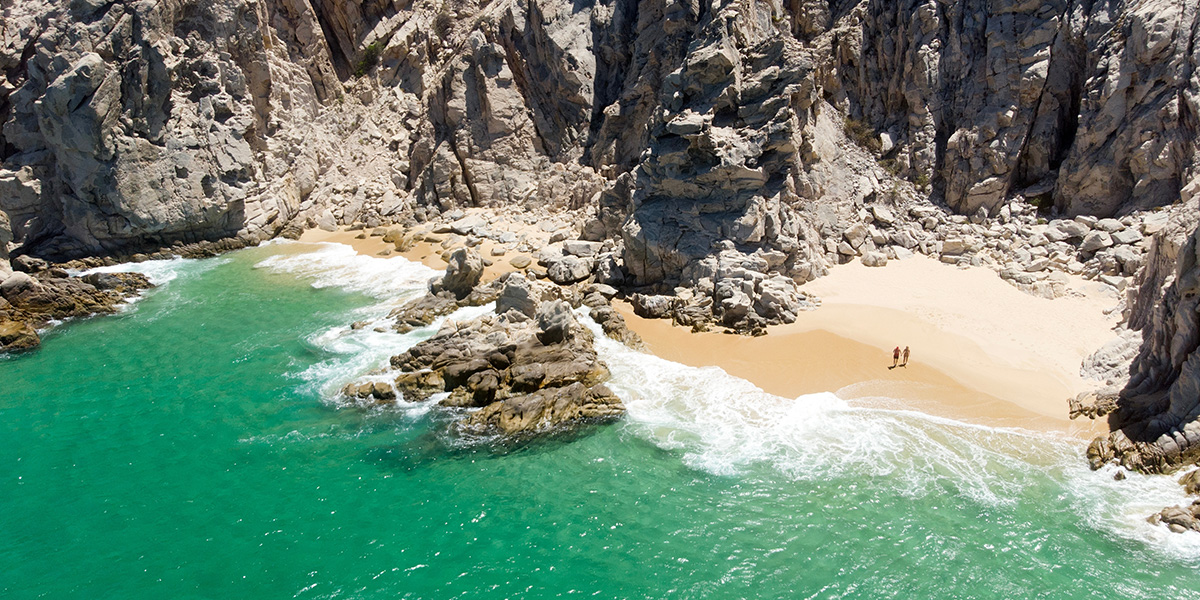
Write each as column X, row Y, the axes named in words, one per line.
column 982, row 351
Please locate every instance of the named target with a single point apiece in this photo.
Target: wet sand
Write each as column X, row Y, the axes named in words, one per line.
column 982, row 351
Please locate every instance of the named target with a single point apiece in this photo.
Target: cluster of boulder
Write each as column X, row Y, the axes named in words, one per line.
column 743, row 292
column 37, row 293
column 1180, row 519
column 529, row 368
column 1025, row 248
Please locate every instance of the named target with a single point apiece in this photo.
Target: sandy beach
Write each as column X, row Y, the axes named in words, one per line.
column 982, row 351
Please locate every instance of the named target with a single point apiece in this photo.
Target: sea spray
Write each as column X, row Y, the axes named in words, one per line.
column 185, row 420
column 724, row 424
column 338, row 265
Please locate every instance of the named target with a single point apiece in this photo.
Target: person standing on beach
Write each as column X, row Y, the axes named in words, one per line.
column 895, row 357
column 905, row 357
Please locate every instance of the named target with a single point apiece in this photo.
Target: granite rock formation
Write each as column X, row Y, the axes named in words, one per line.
column 30, row 300
column 529, row 368
column 130, row 125
column 1091, row 105
column 1156, row 417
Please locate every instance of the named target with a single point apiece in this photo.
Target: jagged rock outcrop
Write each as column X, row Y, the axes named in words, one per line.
column 1094, row 105
column 138, row 124
column 31, row 300
column 1159, row 408
column 530, row 368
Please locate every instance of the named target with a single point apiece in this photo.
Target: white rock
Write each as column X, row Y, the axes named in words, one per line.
column 1127, row 236
column 954, row 246
column 874, row 259
column 1096, row 240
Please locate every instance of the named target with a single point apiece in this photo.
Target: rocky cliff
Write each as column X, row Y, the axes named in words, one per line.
column 725, row 152
column 1092, row 105
column 1156, row 418
column 130, row 124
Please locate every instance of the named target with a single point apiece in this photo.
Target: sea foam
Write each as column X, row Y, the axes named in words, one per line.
column 339, row 265
column 725, row 425
column 160, row 272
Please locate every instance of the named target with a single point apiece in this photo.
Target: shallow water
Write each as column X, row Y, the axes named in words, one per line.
column 189, row 448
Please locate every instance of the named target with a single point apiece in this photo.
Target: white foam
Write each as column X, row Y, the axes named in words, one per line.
column 159, row 272
column 340, row 266
column 362, row 354
column 725, row 425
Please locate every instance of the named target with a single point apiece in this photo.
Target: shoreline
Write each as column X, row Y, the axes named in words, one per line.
column 982, row 351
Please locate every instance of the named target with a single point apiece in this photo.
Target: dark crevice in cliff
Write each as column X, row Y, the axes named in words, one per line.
column 614, row 57
column 944, row 123
column 1055, row 120
column 559, row 111
column 468, row 180
column 336, row 53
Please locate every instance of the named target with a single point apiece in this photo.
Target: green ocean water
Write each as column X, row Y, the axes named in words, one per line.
column 192, row 447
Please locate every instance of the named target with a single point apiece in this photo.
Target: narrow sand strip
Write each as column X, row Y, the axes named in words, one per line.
column 982, row 350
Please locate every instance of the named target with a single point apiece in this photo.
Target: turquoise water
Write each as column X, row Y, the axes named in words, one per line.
column 191, row 447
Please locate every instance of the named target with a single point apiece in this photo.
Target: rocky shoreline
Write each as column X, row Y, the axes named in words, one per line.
column 529, row 366
column 705, row 160
column 38, row 294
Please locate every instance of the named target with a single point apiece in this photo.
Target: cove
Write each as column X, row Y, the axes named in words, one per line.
column 188, row 448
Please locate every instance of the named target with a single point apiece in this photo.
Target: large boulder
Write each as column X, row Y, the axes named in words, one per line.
column 569, row 269
column 874, row 259
column 652, row 306
column 530, row 376
column 17, row 335
column 555, row 322
column 463, row 272
column 545, row 409
column 517, row 294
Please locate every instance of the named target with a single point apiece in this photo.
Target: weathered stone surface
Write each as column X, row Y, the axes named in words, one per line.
column 530, row 376
column 17, row 335
column 518, row 294
column 1096, row 240
column 650, row 306
column 1159, row 408
column 423, row 311
column 874, row 259
column 555, row 322
column 569, row 269
column 1040, row 104
column 463, row 271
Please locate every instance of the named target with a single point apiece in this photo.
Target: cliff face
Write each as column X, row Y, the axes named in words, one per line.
column 1159, row 409
column 1095, row 105
column 733, row 149
column 142, row 123
column 139, row 123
